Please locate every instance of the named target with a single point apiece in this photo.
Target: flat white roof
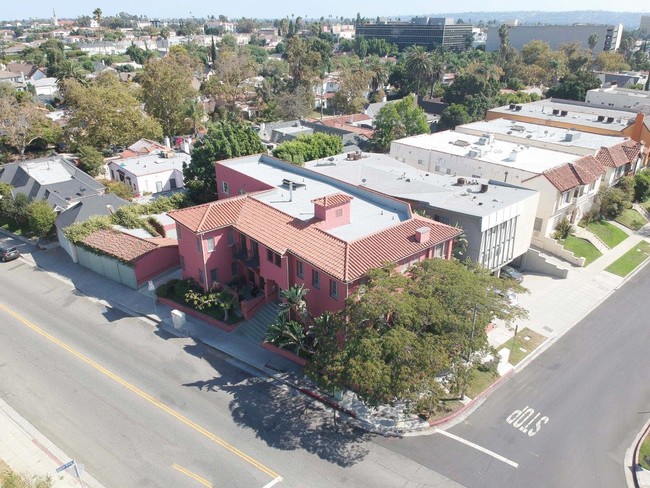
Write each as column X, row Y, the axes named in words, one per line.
column 369, row 212
column 529, row 158
column 544, row 133
column 622, row 91
column 47, row 172
column 152, row 163
column 577, row 112
column 392, row 177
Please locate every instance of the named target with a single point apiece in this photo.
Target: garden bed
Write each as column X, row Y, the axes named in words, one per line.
column 228, row 327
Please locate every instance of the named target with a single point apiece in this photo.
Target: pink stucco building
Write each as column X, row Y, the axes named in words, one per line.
column 276, row 225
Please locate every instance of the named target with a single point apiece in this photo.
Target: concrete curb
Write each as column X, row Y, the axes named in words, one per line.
column 54, row 453
column 631, row 460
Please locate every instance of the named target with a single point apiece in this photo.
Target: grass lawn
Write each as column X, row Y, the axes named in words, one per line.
column 611, row 235
column 479, row 381
column 581, row 248
column 11, row 226
column 525, row 339
column 631, row 219
column 644, row 453
column 629, row 261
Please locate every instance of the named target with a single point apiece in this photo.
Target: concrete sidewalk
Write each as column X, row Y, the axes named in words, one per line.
column 555, row 305
column 30, row 453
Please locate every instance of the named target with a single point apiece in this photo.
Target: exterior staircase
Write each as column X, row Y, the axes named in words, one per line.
column 255, row 328
column 591, row 237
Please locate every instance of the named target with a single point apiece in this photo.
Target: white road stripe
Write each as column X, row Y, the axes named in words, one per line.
column 478, row 448
column 273, row 483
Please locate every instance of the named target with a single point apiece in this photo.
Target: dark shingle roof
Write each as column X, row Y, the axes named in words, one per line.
column 89, row 207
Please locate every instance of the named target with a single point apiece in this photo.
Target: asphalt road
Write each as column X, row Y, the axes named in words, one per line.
column 589, row 394
column 142, row 409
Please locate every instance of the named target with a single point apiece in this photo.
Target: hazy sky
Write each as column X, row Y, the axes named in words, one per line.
column 280, row 8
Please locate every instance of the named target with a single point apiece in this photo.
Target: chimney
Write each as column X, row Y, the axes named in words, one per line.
column 422, row 234
column 167, row 143
column 637, row 127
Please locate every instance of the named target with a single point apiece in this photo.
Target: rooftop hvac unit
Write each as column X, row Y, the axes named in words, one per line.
column 460, row 181
column 601, row 118
column 572, row 136
column 563, row 113
column 518, row 108
column 475, row 153
column 484, row 188
column 610, row 120
column 556, row 111
column 512, row 106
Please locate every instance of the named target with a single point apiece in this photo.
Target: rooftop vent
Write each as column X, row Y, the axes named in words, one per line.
column 518, row 128
column 460, row 181
column 460, row 143
column 484, row 188
column 290, row 183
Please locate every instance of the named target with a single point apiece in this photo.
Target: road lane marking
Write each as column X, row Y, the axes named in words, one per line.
column 272, row 483
column 195, row 476
column 527, row 416
column 478, row 448
column 144, row 395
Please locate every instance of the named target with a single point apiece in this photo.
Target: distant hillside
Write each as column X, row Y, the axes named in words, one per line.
column 630, row 20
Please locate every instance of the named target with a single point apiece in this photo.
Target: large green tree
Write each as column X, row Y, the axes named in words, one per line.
column 574, row 86
column 23, row 123
column 397, row 120
column 106, row 112
column 167, row 89
column 400, row 334
column 309, row 147
column 224, row 140
column 420, row 65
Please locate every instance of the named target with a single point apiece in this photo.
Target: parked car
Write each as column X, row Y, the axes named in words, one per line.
column 512, row 273
column 9, row 253
column 511, row 296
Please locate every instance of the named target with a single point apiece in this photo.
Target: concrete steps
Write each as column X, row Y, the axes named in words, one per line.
column 255, row 328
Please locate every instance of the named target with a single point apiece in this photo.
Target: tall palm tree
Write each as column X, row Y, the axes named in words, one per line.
column 70, row 69
column 378, row 73
column 419, row 64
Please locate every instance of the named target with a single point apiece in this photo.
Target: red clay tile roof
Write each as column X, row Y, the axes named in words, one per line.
column 283, row 233
column 618, row 155
column 124, row 247
column 570, row 175
column 333, row 200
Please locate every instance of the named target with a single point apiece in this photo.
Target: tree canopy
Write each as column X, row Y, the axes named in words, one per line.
column 106, row 112
column 397, row 120
column 309, row 147
column 401, row 334
column 224, row 140
column 167, row 89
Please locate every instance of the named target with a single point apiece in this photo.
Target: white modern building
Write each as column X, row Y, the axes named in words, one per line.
column 620, row 98
column 567, row 183
column 151, row 173
column 497, row 218
column 618, row 155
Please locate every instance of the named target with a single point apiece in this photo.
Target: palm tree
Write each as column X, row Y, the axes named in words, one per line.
column 69, row 69
column 285, row 333
column 592, row 41
column 378, row 73
column 419, row 64
column 294, row 306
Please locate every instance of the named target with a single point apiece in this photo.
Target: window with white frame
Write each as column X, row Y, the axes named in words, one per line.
column 210, row 244
column 225, row 188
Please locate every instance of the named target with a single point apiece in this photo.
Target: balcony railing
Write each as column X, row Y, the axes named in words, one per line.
column 246, row 256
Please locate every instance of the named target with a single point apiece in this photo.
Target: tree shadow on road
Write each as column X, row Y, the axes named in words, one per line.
column 283, row 417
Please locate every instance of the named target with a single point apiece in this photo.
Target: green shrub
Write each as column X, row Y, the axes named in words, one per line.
column 563, row 229
column 642, row 186
column 79, row 231
column 41, row 218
